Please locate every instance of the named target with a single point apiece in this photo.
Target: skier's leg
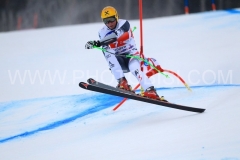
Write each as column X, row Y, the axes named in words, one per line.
column 134, row 67
column 149, row 90
column 123, row 61
column 114, row 65
column 117, row 71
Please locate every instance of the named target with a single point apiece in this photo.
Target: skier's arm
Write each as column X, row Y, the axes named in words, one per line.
column 109, row 38
column 103, row 42
column 115, row 35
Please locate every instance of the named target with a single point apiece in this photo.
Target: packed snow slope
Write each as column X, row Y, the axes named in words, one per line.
column 45, row 115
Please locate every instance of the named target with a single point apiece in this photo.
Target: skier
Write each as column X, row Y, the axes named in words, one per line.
column 116, row 38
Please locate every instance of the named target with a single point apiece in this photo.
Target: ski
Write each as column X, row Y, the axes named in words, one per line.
column 93, row 85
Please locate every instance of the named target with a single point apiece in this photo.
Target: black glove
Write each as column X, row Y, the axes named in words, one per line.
column 91, row 44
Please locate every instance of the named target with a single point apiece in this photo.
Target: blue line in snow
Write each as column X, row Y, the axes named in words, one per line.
column 103, row 101
column 56, row 124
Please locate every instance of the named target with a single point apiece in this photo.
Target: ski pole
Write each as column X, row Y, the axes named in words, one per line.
column 136, row 57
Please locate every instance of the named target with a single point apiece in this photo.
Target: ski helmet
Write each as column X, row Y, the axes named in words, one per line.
column 109, row 11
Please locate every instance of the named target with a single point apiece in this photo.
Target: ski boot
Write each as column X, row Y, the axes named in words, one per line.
column 123, row 84
column 151, row 93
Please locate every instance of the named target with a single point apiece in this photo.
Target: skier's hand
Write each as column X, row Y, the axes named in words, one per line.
column 91, row 44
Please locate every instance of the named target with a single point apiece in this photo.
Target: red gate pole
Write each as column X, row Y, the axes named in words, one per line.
column 141, row 49
column 141, row 31
column 119, row 104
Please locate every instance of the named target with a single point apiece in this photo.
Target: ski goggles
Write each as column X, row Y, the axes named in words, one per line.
column 109, row 19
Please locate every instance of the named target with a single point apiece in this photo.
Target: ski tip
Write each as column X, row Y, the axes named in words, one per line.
column 91, row 81
column 83, row 85
column 199, row 110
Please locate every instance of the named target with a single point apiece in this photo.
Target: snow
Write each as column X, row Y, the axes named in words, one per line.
column 45, row 115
